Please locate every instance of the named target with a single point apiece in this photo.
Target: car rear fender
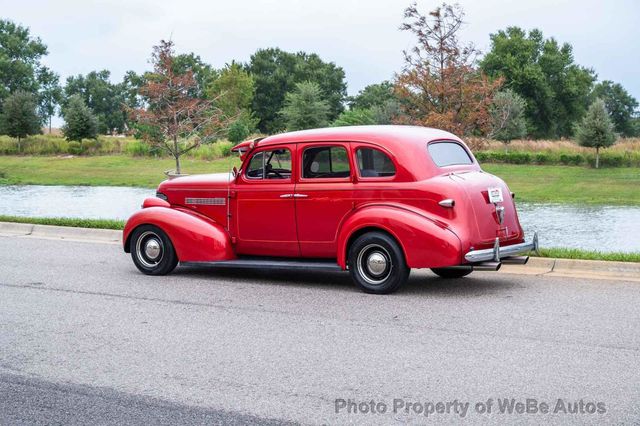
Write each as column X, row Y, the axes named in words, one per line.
column 195, row 237
column 426, row 242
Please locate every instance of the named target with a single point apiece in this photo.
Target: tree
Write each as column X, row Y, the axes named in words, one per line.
column 106, row 100
column 50, row 94
column 174, row 117
column 203, row 73
column 620, row 104
column 79, row 121
column 596, row 129
column 507, row 117
column 233, row 92
column 439, row 86
column 19, row 117
column 544, row 74
column 373, row 95
column 20, row 55
column 304, row 108
column 277, row 72
column 355, row 117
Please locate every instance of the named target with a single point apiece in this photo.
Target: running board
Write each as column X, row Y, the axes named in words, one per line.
column 304, row 265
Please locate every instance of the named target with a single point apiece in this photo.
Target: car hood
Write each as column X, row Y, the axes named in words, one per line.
column 209, row 181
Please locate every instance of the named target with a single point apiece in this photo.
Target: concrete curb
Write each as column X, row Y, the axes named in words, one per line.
column 61, row 232
column 588, row 269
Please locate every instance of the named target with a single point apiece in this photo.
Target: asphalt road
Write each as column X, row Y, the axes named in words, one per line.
column 86, row 339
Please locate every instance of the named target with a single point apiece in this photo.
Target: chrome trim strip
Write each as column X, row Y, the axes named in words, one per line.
column 206, row 201
column 500, row 252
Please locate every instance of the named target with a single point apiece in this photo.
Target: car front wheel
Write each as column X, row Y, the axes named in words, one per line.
column 152, row 251
column 377, row 264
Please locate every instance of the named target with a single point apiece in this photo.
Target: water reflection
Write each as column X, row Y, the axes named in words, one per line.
column 605, row 228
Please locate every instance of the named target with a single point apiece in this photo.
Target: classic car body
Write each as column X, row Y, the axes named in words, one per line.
column 376, row 200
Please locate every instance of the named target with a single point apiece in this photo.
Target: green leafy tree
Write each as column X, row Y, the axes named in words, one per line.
column 277, row 72
column 238, row 131
column 596, row 129
column 80, row 123
column 304, row 108
column 106, row 100
column 507, row 117
column 374, row 95
column 50, row 94
column 19, row 117
column 20, row 55
column 232, row 93
column 355, row 117
column 620, row 104
column 203, row 73
column 544, row 74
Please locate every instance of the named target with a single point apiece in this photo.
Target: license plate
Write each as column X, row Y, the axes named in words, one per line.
column 495, row 195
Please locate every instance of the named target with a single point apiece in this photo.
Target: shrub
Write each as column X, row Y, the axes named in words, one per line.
column 75, row 148
column 137, row 149
column 542, row 158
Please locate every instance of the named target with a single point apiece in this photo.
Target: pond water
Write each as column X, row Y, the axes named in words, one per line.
column 604, row 228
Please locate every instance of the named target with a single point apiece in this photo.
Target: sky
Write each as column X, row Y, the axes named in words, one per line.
column 360, row 36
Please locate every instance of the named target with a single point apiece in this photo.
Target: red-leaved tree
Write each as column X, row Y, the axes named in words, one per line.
column 440, row 85
column 173, row 118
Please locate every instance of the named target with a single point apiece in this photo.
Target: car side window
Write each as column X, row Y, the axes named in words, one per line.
column 325, row 162
column 275, row 164
column 374, row 163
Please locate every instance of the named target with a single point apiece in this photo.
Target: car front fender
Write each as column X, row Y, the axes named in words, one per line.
column 195, row 238
column 426, row 242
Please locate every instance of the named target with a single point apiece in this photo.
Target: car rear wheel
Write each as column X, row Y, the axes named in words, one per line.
column 152, row 251
column 377, row 264
column 452, row 272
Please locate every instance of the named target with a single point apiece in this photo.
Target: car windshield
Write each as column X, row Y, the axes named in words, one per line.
column 448, row 153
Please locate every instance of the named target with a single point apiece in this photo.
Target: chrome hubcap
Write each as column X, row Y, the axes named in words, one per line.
column 152, row 249
column 149, row 249
column 374, row 264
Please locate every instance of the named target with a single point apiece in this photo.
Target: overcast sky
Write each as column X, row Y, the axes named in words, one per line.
column 360, row 36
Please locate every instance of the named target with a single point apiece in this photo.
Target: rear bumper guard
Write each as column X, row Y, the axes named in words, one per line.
column 498, row 254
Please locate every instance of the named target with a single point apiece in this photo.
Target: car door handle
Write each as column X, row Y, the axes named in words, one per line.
column 300, row 195
column 286, row 196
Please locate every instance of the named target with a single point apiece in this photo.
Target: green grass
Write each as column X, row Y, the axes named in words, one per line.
column 109, row 170
column 65, row 221
column 570, row 184
column 567, row 253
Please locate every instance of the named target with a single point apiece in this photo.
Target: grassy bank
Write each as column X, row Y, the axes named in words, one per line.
column 567, row 253
column 561, row 253
column 567, row 184
column 108, row 170
column 65, row 221
column 532, row 183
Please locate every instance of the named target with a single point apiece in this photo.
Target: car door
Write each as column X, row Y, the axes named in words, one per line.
column 323, row 195
column 265, row 222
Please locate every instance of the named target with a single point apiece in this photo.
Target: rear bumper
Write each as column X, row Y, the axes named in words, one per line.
column 497, row 253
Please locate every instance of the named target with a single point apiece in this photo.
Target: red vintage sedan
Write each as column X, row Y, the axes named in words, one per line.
column 373, row 200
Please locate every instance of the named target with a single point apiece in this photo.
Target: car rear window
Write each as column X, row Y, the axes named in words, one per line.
column 448, row 154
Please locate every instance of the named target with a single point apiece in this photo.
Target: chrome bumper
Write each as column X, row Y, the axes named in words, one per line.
column 496, row 253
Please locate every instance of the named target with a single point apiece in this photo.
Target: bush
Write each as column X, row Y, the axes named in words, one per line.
column 542, row 158
column 137, row 149
column 238, row 131
column 568, row 159
column 75, row 148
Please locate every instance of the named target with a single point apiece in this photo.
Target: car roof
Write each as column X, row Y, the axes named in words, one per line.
column 405, row 143
column 386, row 135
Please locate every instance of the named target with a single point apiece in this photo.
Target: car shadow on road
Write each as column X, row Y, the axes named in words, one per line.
column 420, row 283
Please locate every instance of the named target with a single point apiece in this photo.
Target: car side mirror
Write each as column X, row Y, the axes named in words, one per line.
column 234, row 172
